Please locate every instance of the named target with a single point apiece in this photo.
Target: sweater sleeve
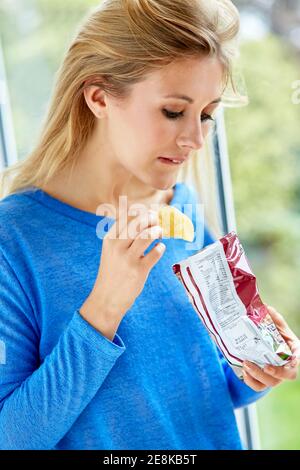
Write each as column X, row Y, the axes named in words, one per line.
column 241, row 394
column 40, row 402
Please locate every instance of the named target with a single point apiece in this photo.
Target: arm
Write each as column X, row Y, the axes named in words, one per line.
column 40, row 402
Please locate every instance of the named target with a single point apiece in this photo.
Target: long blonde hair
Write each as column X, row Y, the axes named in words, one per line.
column 116, row 45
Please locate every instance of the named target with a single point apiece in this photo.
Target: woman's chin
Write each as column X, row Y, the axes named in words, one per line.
column 163, row 184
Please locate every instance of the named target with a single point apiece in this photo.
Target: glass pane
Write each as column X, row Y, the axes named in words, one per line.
column 34, row 34
column 264, row 147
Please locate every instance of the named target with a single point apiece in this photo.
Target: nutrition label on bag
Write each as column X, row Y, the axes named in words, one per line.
column 211, row 271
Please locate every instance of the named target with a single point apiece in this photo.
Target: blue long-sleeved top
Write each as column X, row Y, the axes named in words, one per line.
column 159, row 384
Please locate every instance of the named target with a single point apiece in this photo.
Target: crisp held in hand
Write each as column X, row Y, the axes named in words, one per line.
column 175, row 224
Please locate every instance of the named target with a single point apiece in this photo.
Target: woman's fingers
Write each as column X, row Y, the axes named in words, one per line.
column 127, row 228
column 260, row 376
column 281, row 324
column 144, row 240
column 286, row 372
column 253, row 383
column 288, row 335
column 139, row 224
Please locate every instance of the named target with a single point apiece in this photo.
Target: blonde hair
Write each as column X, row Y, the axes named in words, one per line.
column 116, row 46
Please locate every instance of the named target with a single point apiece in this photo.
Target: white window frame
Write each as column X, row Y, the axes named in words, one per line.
column 246, row 417
column 8, row 149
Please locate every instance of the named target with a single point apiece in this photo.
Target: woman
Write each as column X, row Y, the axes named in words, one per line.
column 107, row 352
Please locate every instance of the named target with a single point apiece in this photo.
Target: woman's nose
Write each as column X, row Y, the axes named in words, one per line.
column 192, row 137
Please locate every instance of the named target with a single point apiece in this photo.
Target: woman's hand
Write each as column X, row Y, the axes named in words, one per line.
column 270, row 376
column 123, row 270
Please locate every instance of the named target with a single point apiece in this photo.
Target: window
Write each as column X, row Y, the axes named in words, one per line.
column 264, row 148
column 263, row 144
column 8, row 154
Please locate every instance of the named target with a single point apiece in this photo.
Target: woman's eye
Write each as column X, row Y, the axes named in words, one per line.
column 206, row 117
column 173, row 115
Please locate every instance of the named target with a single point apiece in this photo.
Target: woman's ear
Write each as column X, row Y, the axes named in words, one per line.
column 95, row 98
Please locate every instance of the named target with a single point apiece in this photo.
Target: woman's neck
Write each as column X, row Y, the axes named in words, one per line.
column 80, row 196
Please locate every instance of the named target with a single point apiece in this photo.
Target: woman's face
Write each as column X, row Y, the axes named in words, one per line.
column 149, row 124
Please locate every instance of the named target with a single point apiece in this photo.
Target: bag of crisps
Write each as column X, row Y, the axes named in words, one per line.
column 223, row 291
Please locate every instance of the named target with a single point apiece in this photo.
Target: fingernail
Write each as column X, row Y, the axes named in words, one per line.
column 153, row 219
column 161, row 247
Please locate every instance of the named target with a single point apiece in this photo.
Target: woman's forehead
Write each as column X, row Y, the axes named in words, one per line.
column 187, row 79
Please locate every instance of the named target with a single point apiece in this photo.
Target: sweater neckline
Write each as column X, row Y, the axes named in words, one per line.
column 180, row 196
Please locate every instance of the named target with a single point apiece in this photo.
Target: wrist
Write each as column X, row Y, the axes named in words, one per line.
column 106, row 306
column 101, row 317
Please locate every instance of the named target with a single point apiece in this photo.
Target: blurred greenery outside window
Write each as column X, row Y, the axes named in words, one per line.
column 264, row 150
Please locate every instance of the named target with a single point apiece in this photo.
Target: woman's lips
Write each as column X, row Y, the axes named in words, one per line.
column 170, row 161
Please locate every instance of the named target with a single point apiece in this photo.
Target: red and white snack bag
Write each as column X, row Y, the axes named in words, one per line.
column 222, row 289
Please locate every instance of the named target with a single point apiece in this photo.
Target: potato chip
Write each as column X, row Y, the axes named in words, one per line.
column 175, row 224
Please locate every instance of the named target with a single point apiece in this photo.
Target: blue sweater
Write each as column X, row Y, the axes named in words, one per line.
column 161, row 383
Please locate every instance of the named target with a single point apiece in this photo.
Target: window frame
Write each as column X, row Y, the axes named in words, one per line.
column 247, row 419
column 8, row 149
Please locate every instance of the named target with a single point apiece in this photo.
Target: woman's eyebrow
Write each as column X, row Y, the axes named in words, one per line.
column 190, row 100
